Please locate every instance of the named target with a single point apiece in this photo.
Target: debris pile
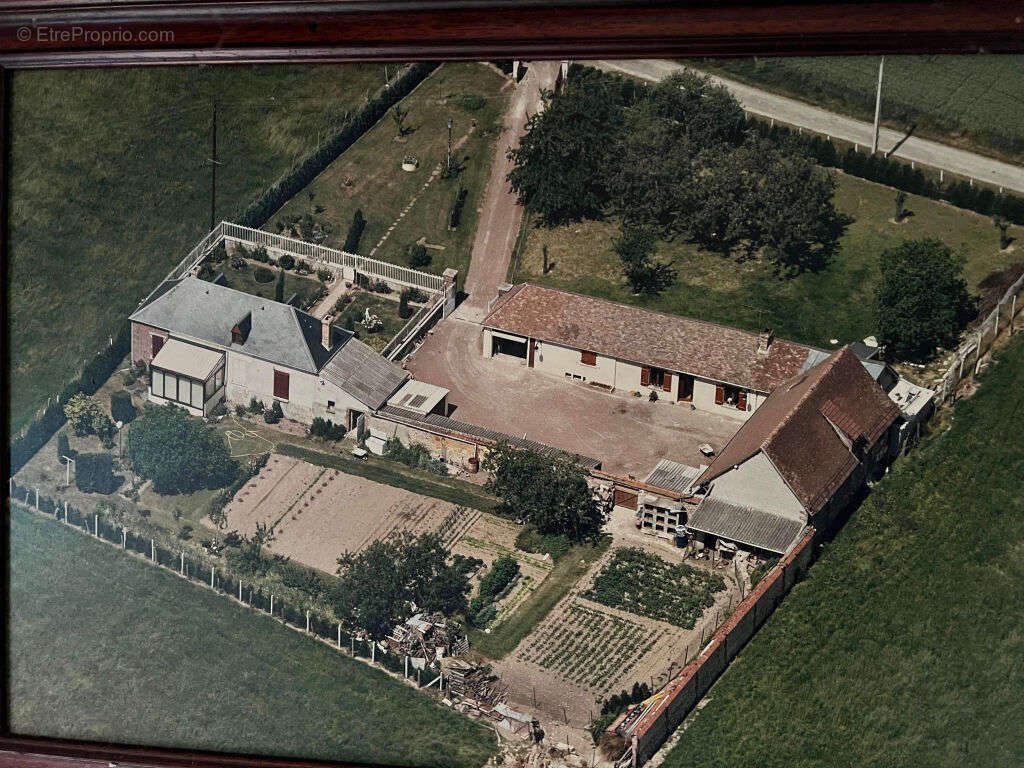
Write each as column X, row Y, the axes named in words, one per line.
column 426, row 636
column 475, row 682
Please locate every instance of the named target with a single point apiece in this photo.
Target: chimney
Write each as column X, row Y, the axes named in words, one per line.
column 325, row 332
column 764, row 342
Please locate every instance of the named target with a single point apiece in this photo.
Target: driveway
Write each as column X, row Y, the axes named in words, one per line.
column 793, row 112
column 628, row 435
column 501, row 214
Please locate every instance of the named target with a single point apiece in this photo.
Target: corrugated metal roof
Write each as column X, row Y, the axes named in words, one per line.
column 744, row 525
column 445, row 424
column 672, row 476
column 364, row 374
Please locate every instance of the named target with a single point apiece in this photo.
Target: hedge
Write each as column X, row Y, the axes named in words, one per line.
column 283, row 190
column 97, row 371
column 894, row 173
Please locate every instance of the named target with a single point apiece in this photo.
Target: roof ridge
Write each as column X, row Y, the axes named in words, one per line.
column 305, row 347
column 829, row 364
column 659, row 313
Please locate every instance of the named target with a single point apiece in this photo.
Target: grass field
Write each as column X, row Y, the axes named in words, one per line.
column 368, row 176
column 105, row 647
column 811, row 308
column 110, row 187
column 903, row 645
column 567, row 571
column 976, row 102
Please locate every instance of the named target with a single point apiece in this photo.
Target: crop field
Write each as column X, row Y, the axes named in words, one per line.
column 93, row 231
column 591, row 648
column 812, row 308
column 318, row 514
column 644, row 584
column 903, row 644
column 400, row 207
column 105, row 647
column 973, row 101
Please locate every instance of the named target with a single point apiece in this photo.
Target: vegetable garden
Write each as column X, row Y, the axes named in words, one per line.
column 646, row 585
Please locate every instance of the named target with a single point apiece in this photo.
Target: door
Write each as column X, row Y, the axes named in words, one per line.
column 625, row 498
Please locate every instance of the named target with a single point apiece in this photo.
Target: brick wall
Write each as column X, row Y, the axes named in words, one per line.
column 690, row 686
column 142, row 342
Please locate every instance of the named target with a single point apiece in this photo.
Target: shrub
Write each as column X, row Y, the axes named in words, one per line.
column 416, row 456
column 220, row 409
column 86, row 417
column 502, row 573
column 532, row 540
column 261, row 255
column 273, row 414
column 178, row 453
column 380, row 286
column 240, row 410
column 263, row 275
column 325, row 275
column 326, row 429
column 418, row 256
column 416, row 295
column 404, row 310
column 279, row 287
column 121, row 407
column 455, row 217
column 287, row 261
column 237, row 262
column 94, row 473
column 256, row 406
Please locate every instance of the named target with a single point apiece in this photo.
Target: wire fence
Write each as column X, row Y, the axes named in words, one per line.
column 967, row 360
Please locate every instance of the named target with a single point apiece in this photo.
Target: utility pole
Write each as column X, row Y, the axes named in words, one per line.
column 878, row 104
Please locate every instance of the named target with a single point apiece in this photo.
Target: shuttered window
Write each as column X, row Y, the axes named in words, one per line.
column 588, row 358
column 742, row 403
column 645, row 377
column 281, row 385
column 719, row 395
column 666, row 383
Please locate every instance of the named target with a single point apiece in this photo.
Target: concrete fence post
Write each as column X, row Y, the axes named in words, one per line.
column 307, row 622
column 240, row 591
column 213, row 571
column 406, row 665
column 339, row 634
column 124, row 538
column 96, row 526
column 352, row 645
column 271, row 603
column 65, row 511
column 152, row 550
column 183, row 563
column 37, row 499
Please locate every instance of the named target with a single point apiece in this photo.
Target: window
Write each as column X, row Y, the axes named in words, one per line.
column 157, row 343
column 218, row 379
column 588, row 358
column 330, row 406
column 157, row 382
column 281, row 385
column 733, row 397
column 170, row 386
column 656, row 377
column 686, row 388
column 197, row 395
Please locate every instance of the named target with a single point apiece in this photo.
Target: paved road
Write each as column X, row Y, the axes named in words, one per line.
column 758, row 102
column 499, row 220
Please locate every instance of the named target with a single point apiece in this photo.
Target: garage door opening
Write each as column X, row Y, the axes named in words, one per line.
column 510, row 348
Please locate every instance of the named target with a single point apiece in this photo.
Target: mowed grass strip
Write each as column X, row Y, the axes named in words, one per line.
column 105, row 647
column 976, row 102
column 567, row 571
column 812, row 308
column 369, row 176
column 903, row 645
column 110, row 187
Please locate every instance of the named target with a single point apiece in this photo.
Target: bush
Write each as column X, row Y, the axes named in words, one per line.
column 240, row 410
column 531, row 540
column 256, row 406
column 326, row 429
column 455, row 217
column 287, row 261
column 261, row 255
column 404, row 310
column 86, row 417
column 273, row 414
column 380, row 287
column 502, row 574
column 94, row 473
column 416, row 295
column 238, row 263
column 178, row 453
column 325, row 275
column 416, row 456
column 418, row 256
column 263, row 275
column 121, row 407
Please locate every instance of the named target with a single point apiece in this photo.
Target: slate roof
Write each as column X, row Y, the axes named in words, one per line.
column 744, row 525
column 642, row 336
column 363, row 373
column 794, row 428
column 672, row 476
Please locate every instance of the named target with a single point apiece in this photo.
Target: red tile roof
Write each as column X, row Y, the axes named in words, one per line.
column 792, row 427
column 642, row 336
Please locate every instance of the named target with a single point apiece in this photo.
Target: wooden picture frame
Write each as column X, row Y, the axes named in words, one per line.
column 314, row 31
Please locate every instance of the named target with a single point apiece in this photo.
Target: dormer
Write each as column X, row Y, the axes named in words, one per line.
column 240, row 333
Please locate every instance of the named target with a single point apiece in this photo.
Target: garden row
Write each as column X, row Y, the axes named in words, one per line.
column 644, row 584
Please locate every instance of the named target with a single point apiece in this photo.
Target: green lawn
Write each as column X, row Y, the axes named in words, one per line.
column 507, row 635
column 243, row 279
column 368, row 176
column 105, row 647
column 110, row 187
column 976, row 102
column 385, row 309
column 903, row 646
column 811, row 308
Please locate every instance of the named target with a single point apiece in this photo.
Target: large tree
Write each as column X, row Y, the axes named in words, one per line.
column 635, row 249
column 562, row 161
column 178, row 452
column 703, row 114
column 378, row 586
column 550, row 493
column 921, row 301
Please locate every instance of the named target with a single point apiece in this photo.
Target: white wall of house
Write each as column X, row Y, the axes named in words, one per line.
column 308, row 394
column 756, row 483
column 562, row 361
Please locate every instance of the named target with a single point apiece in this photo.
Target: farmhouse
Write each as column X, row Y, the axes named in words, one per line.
column 618, row 347
column 206, row 343
column 799, row 459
